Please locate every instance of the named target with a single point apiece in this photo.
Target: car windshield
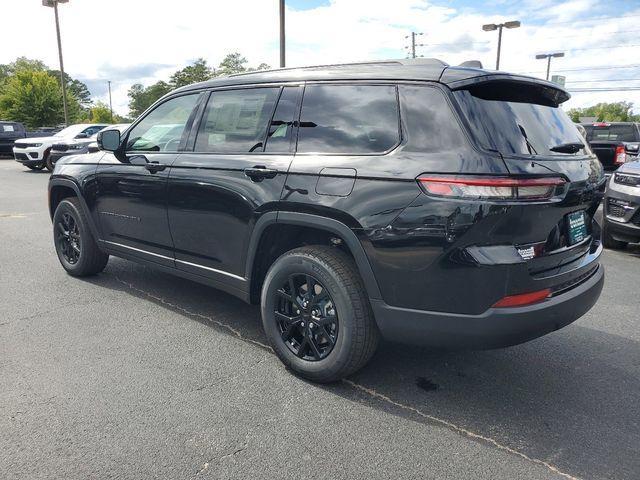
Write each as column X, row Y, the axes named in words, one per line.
column 521, row 128
column 70, row 131
column 608, row 132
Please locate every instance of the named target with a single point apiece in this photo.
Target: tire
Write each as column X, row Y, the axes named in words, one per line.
column 47, row 161
column 608, row 241
column 37, row 166
column 355, row 334
column 87, row 258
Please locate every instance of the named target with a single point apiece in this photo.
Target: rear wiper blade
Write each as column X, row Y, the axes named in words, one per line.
column 571, row 147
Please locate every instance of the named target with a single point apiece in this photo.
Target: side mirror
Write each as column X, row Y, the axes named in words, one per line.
column 82, row 135
column 109, row 140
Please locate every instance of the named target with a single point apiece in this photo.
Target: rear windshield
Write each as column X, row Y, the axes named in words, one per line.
column 619, row 133
column 520, row 128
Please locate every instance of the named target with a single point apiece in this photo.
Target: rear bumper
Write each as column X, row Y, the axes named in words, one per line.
column 496, row 327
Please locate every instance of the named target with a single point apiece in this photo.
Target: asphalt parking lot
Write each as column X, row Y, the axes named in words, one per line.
column 138, row 374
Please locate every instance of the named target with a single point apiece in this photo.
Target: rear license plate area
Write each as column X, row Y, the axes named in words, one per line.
column 576, row 227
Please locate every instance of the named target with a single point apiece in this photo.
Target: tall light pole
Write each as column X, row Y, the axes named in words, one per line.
column 63, row 83
column 490, row 27
column 110, row 104
column 282, row 56
column 549, row 56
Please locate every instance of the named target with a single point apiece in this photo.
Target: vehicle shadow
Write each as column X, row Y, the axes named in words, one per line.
column 571, row 399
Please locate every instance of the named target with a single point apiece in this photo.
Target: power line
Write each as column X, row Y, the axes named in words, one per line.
column 604, row 89
column 586, row 69
column 591, row 28
column 594, row 19
column 605, row 80
column 604, row 46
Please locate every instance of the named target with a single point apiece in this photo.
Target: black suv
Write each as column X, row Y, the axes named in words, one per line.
column 439, row 205
column 9, row 133
column 614, row 143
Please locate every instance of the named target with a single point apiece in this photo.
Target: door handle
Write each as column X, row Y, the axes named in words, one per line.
column 155, row 167
column 259, row 172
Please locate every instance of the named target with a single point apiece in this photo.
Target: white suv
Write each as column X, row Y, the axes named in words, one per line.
column 34, row 152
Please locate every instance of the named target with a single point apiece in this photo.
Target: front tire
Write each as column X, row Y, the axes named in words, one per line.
column 316, row 314
column 48, row 162
column 608, row 241
column 76, row 248
column 37, row 166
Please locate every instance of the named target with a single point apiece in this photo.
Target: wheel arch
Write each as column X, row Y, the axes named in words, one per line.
column 61, row 188
column 308, row 223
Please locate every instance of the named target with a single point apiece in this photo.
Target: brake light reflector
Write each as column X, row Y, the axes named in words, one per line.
column 621, row 156
column 485, row 187
column 522, row 299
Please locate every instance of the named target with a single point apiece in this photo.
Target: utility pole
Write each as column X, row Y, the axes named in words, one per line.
column 63, row 83
column 110, row 104
column 282, row 38
column 412, row 47
column 490, row 27
column 549, row 56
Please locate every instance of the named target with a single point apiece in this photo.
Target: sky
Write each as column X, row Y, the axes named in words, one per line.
column 143, row 41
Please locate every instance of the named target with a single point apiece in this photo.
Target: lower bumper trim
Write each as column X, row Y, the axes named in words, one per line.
column 497, row 327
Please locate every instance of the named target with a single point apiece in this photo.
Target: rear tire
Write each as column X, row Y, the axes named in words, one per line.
column 608, row 241
column 333, row 349
column 76, row 248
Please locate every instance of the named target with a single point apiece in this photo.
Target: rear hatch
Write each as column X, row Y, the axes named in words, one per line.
column 611, row 142
column 523, row 122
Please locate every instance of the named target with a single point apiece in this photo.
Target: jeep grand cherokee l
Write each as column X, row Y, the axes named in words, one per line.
column 408, row 200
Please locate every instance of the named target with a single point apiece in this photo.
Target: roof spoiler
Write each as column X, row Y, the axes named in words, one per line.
column 513, row 88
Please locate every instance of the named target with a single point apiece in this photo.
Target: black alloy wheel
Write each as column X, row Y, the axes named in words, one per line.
column 68, row 238
column 306, row 317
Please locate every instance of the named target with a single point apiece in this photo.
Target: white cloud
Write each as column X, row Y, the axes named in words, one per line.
column 129, row 41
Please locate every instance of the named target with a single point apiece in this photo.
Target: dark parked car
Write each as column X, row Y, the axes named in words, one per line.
column 439, row 205
column 622, row 207
column 9, row 133
column 614, row 143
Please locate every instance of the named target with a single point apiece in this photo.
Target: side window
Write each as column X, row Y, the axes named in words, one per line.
column 91, row 130
column 281, row 127
column 235, row 121
column 161, row 130
column 429, row 120
column 348, row 119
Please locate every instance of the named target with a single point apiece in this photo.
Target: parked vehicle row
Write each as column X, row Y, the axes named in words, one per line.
column 413, row 200
column 34, row 153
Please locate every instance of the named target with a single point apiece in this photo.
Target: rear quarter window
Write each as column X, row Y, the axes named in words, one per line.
column 429, row 121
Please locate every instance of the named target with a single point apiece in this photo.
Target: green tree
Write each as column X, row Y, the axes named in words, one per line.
column 100, row 113
column 232, row 63
column 141, row 98
column 198, row 71
column 34, row 98
column 606, row 112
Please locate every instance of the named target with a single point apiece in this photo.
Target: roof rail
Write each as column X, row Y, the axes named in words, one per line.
column 408, row 61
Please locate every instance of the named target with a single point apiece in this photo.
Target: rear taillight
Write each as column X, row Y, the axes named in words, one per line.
column 621, row 156
column 522, row 299
column 491, row 188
